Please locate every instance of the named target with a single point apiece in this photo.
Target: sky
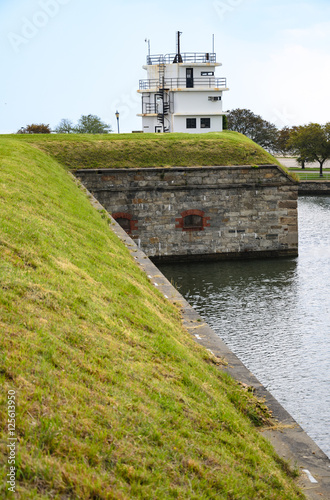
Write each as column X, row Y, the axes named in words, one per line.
column 67, row 58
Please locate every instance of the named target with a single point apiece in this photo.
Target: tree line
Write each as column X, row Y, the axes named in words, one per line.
column 309, row 143
column 87, row 124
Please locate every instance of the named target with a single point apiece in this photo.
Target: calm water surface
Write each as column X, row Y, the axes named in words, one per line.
column 275, row 315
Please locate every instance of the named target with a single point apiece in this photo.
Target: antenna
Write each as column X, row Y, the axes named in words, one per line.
column 178, row 57
column 212, row 44
column 148, row 42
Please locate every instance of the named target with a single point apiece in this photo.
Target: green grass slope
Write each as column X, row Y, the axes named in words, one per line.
column 114, row 398
column 150, row 150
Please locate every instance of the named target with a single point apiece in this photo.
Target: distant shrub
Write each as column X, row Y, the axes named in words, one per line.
column 40, row 128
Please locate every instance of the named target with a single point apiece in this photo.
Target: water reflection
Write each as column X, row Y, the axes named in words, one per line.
column 274, row 314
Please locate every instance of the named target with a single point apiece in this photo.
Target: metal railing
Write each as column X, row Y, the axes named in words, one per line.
column 185, row 57
column 149, row 108
column 155, row 109
column 179, row 83
column 312, row 176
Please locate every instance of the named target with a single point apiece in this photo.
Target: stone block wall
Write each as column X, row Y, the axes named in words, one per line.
column 314, row 188
column 195, row 213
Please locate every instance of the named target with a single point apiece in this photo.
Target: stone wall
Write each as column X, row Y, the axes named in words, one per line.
column 194, row 213
column 314, row 187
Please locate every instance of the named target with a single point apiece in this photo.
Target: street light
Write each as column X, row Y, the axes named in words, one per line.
column 117, row 116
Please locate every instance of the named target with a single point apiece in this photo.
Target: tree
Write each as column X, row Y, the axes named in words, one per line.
column 35, row 129
column 282, row 141
column 65, row 127
column 92, row 124
column 253, row 126
column 312, row 143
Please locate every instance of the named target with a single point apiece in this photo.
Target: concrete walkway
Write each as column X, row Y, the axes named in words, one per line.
column 292, row 163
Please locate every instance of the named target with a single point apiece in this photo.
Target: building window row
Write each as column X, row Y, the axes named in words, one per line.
column 190, row 220
column 192, row 123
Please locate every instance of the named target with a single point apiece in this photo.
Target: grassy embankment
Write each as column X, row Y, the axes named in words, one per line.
column 114, row 398
column 150, row 150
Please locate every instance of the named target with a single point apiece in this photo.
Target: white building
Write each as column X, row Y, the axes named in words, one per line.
column 182, row 93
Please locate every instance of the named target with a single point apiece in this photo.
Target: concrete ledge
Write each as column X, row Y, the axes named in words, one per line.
column 174, row 168
column 225, row 256
column 289, row 440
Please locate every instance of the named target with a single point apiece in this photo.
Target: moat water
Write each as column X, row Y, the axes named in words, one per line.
column 275, row 316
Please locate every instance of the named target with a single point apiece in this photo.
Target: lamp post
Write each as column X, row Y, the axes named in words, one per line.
column 117, row 116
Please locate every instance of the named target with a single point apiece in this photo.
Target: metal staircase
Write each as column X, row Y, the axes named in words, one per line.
column 162, row 94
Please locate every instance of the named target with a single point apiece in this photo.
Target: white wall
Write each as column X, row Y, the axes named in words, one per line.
column 149, row 123
column 178, row 70
column 196, row 102
column 180, row 124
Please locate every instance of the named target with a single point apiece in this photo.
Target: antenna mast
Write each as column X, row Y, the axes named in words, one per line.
column 147, row 40
column 178, row 57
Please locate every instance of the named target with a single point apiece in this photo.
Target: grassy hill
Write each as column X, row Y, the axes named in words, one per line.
column 114, row 398
column 150, row 150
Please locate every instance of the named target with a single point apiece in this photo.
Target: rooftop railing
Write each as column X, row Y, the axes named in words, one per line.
column 179, row 83
column 185, row 57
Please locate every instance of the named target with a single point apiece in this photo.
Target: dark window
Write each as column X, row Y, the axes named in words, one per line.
column 205, row 122
column 207, row 73
column 193, row 222
column 124, row 223
column 214, row 97
column 191, row 123
column 189, row 78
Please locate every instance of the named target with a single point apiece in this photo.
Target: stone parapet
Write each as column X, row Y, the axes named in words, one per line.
column 314, row 188
column 184, row 213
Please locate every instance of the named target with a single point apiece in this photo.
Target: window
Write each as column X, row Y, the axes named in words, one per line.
column 205, row 122
column 193, row 222
column 207, row 73
column 191, row 123
column 214, row 98
column 124, row 223
column 189, row 78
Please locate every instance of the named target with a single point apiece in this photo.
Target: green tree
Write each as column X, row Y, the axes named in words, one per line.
column 65, row 127
column 92, row 124
column 282, row 141
column 312, row 143
column 253, row 126
column 34, row 128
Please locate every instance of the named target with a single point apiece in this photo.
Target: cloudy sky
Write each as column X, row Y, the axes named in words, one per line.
column 64, row 58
